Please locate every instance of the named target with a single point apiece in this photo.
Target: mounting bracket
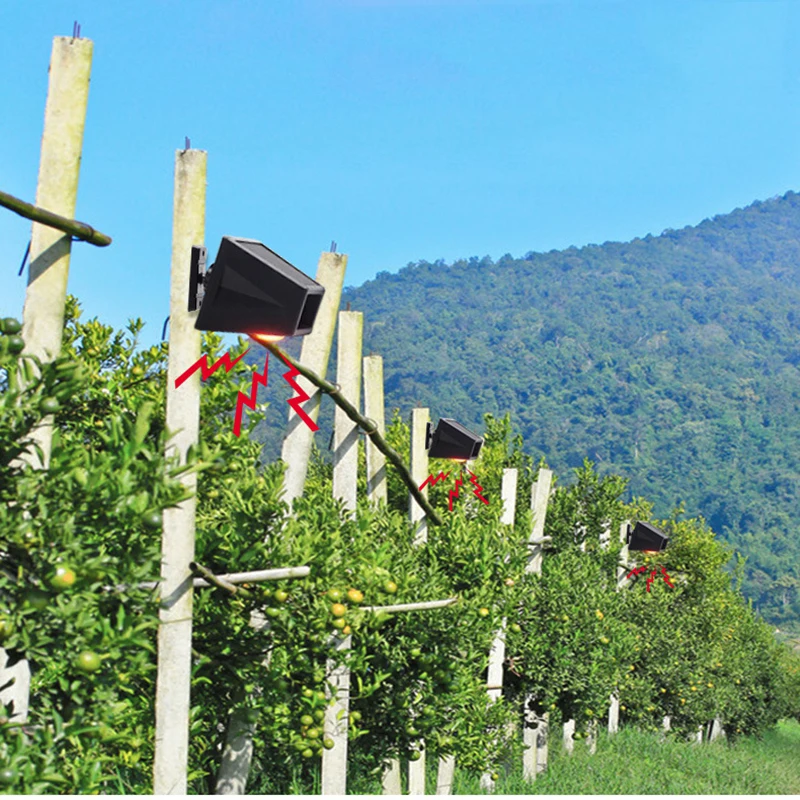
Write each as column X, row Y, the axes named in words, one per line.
column 197, row 274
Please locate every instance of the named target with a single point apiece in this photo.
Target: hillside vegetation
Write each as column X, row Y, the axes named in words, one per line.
column 670, row 360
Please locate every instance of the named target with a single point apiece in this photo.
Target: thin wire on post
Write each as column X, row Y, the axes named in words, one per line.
column 25, row 258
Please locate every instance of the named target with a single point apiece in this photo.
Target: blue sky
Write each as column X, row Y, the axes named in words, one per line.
column 403, row 130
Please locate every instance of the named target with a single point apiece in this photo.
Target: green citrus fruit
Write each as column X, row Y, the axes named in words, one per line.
column 63, row 578
column 415, row 756
column 6, row 628
column 16, row 344
column 484, row 612
column 8, row 776
column 152, row 519
column 339, row 623
column 49, row 405
column 88, row 661
column 354, row 596
column 338, row 609
column 390, row 587
column 281, row 595
column 307, row 753
column 335, row 595
column 328, row 743
column 10, row 326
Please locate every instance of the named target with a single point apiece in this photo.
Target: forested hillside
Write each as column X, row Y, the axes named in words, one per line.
column 671, row 360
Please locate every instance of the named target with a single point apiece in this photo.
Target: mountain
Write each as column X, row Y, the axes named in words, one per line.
column 671, row 360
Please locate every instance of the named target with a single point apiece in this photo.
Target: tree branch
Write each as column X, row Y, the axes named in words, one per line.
column 80, row 230
column 218, row 580
column 365, row 424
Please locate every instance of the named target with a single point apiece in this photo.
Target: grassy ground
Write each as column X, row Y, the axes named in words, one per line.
column 639, row 763
column 632, row 763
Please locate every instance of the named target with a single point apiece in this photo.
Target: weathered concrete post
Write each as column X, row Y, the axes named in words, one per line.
column 57, row 191
column 345, row 472
column 314, row 354
column 374, row 410
column 497, row 654
column 419, row 471
column 345, row 431
column 43, row 313
column 418, row 465
column 591, row 737
column 622, row 571
column 334, row 761
column 534, row 757
column 569, row 732
column 173, row 679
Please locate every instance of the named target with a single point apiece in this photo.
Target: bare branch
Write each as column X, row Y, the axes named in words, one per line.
column 80, row 230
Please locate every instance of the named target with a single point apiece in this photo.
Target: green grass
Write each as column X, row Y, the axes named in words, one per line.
column 633, row 762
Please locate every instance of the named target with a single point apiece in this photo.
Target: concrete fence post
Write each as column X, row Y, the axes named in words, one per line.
column 345, row 478
column 314, row 354
column 345, row 431
column 374, row 410
column 45, row 297
column 613, row 709
column 173, row 680
column 536, row 730
column 497, row 654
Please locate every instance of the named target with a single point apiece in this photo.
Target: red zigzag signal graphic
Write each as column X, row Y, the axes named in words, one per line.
column 440, row 477
column 205, row 370
column 474, row 481
column 259, row 379
column 302, row 395
column 454, row 493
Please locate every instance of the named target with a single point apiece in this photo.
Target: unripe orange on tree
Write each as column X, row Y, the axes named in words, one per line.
column 10, row 326
column 16, row 344
column 6, row 628
column 355, row 596
column 88, row 661
column 338, row 609
column 63, row 578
